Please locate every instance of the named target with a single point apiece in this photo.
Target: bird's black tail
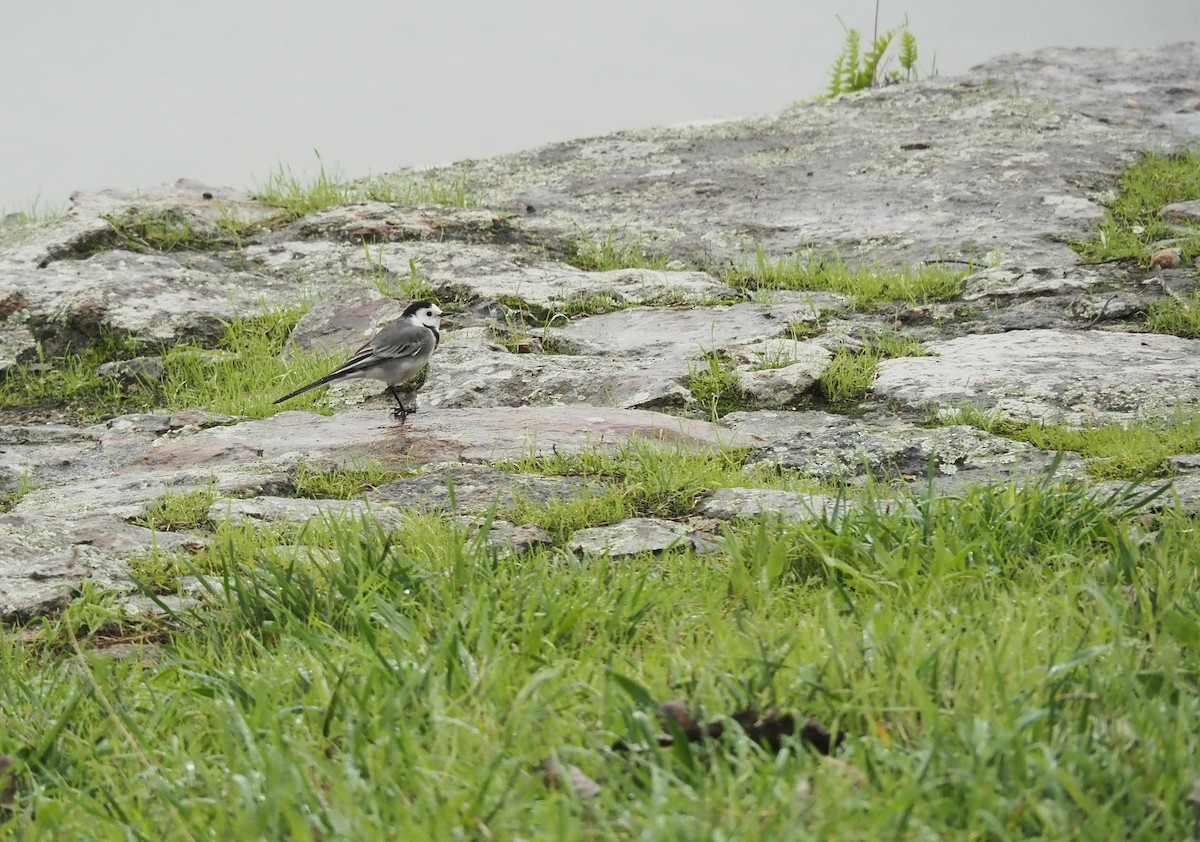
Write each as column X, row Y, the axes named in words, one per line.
column 329, row 378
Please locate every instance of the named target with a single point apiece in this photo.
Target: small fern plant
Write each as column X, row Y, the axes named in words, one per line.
column 854, row 70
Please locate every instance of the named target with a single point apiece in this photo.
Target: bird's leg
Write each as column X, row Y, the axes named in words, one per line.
column 399, row 413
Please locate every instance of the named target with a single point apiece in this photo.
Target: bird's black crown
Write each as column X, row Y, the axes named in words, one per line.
column 415, row 307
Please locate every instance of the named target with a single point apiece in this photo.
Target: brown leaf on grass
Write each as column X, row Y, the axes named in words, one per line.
column 553, row 776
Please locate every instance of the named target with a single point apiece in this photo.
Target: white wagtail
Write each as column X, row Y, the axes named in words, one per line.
column 395, row 355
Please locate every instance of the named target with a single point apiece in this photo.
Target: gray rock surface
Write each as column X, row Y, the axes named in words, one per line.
column 630, row 537
column 733, row 503
column 834, row 448
column 1070, row 377
column 473, row 488
column 297, row 510
column 1008, row 160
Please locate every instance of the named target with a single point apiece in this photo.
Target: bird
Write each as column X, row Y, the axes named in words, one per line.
column 395, row 355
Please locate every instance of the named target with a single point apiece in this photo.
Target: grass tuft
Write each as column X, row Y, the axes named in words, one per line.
column 295, row 198
column 717, row 388
column 847, row 379
column 919, row 285
column 604, row 255
column 1133, row 451
column 1132, row 227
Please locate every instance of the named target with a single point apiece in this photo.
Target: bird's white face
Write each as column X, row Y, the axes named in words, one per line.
column 430, row 317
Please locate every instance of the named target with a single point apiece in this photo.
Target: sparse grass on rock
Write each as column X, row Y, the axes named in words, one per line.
column 1133, row 451
column 241, row 373
column 1133, row 227
column 869, row 286
column 847, row 379
column 716, row 387
column 296, row 198
column 1178, row 315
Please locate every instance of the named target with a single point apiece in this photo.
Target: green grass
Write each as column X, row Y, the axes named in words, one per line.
column 716, row 387
column 1006, row 663
column 415, row 287
column 1132, row 226
column 641, row 479
column 241, row 373
column 340, row 483
column 604, row 255
column 1175, row 315
column 171, row 231
column 295, row 197
column 1133, row 451
column 847, row 379
column 869, row 286
column 182, row 511
column 14, row 495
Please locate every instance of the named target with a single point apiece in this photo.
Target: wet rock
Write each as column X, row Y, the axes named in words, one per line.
column 298, row 510
column 44, row 560
column 473, row 488
column 1183, row 213
column 630, row 537
column 832, row 447
column 136, row 370
column 1069, row 377
column 733, row 503
column 679, row 334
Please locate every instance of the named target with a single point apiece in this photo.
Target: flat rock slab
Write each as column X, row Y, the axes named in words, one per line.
column 834, row 448
column 297, row 510
column 681, row 334
column 958, row 168
column 489, row 377
column 733, row 503
column 473, row 488
column 466, row 435
column 1057, row 376
column 462, row 270
column 630, row 537
column 45, row 560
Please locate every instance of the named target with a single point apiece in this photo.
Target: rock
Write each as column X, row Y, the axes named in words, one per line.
column 1182, row 494
column 630, row 537
column 994, row 173
column 733, row 503
column 679, row 334
column 473, row 488
column 774, row 388
column 1183, row 213
column 472, row 377
column 44, row 560
column 136, row 370
column 381, row 222
column 831, row 448
column 1166, row 259
column 1187, row 463
column 506, row 540
column 157, row 299
column 298, row 510
column 1065, row 377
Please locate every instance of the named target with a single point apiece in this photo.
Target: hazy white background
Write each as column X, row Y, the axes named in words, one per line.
column 131, row 94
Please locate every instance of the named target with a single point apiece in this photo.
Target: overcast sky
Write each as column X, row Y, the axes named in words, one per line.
column 134, row 94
